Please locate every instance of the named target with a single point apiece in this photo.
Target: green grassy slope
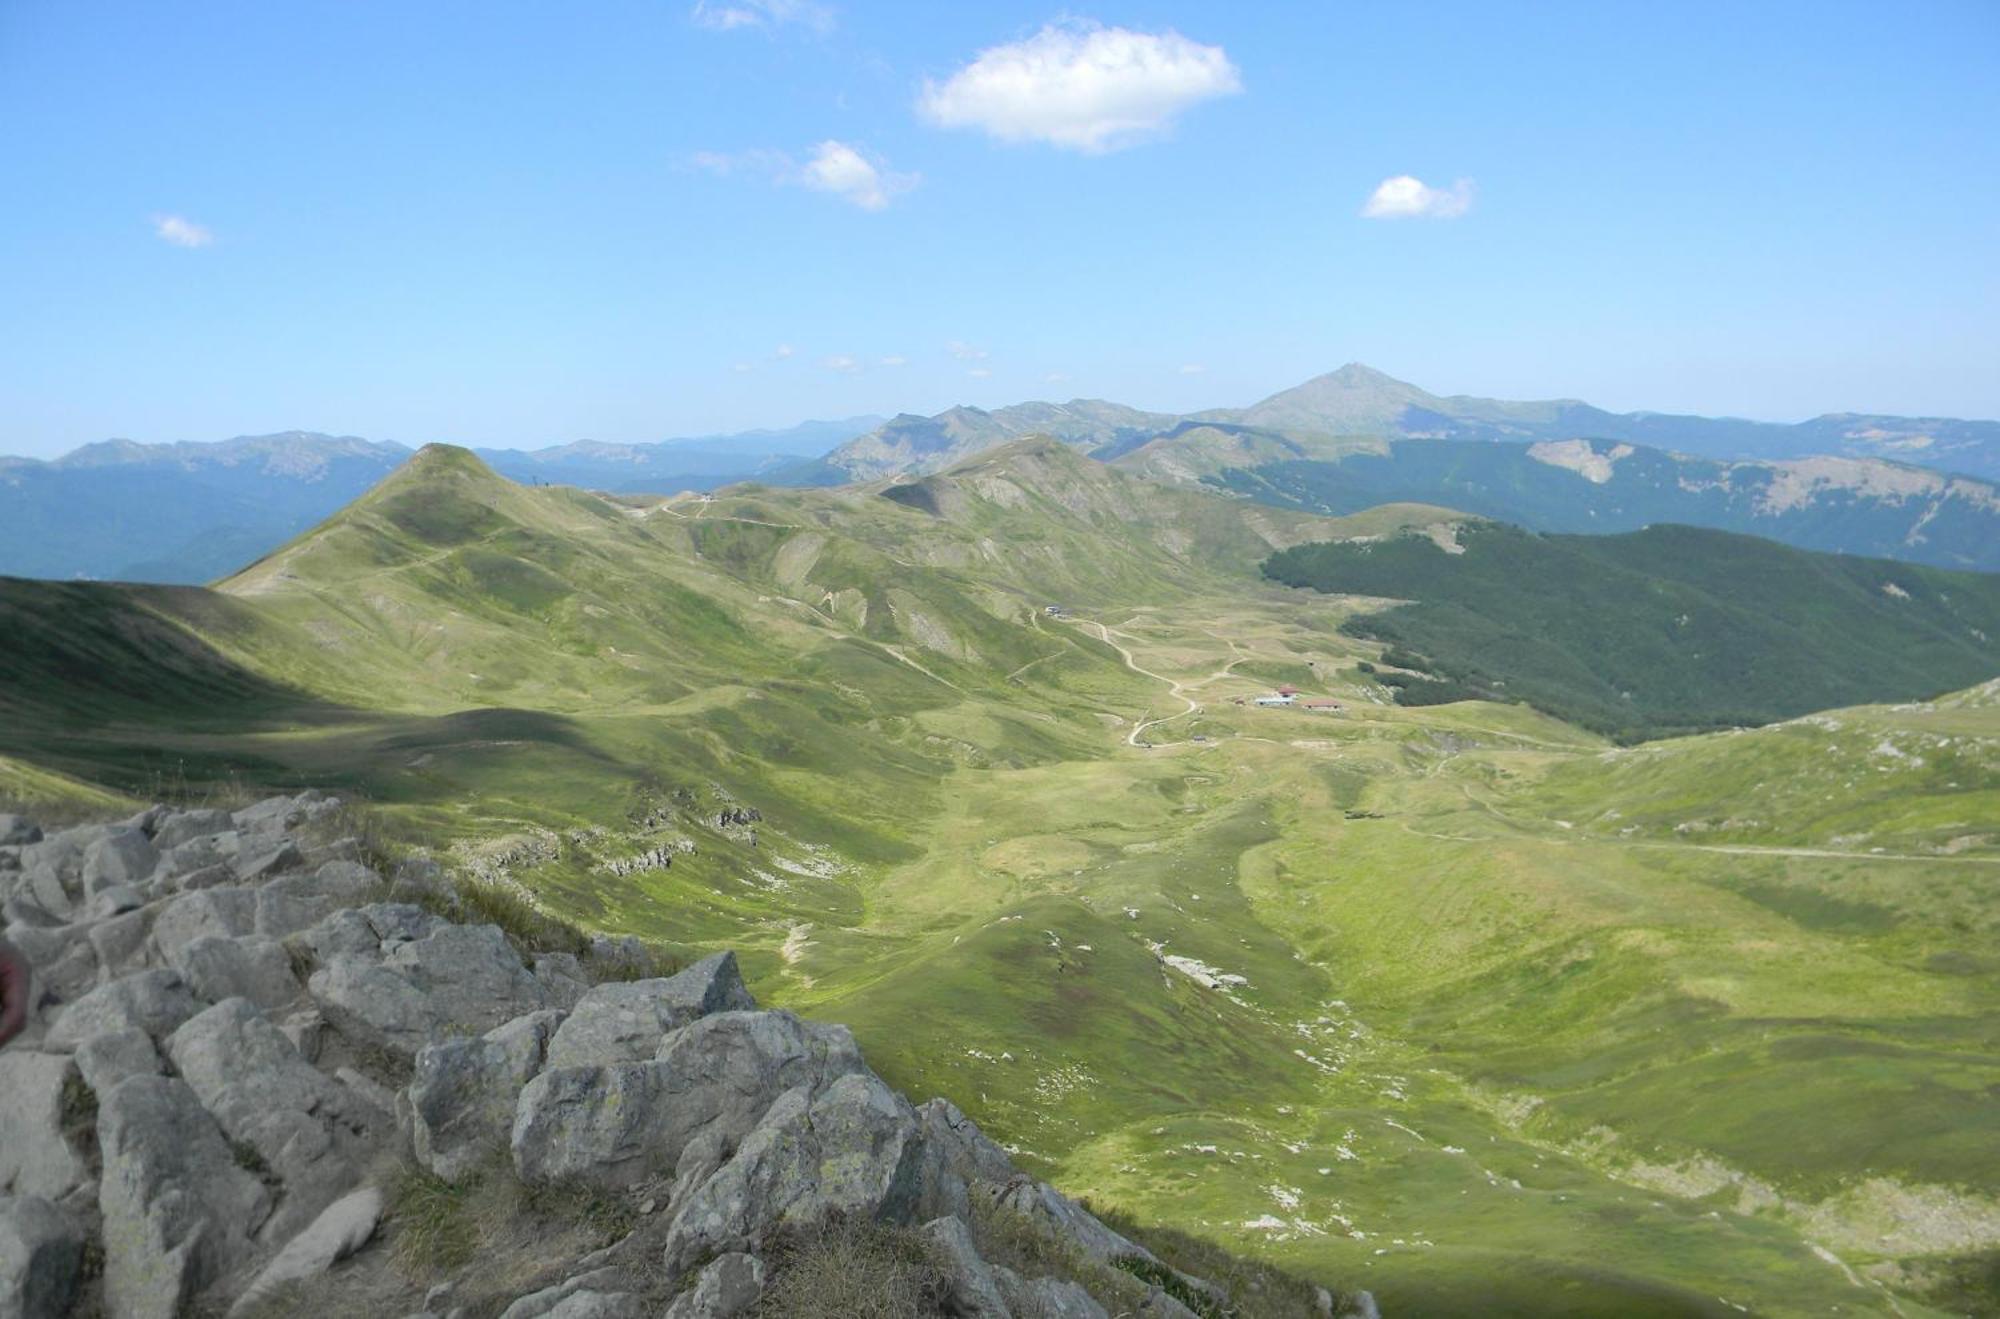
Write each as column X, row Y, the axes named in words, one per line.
column 1663, row 630
column 1443, row 1001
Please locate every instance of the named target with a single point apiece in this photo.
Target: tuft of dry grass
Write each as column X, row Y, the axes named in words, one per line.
column 853, row 1268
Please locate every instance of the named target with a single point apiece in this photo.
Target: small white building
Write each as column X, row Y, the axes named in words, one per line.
column 1277, row 698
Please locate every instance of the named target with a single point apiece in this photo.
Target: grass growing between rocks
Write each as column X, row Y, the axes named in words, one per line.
column 855, row 1269
column 520, row 1236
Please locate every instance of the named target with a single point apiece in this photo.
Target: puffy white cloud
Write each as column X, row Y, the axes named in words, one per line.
column 1081, row 86
column 782, row 351
column 736, row 15
column 1406, row 197
column 181, row 231
column 841, row 170
column 835, row 167
column 966, row 352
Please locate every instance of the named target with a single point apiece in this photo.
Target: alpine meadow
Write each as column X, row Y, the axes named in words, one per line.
column 1363, row 852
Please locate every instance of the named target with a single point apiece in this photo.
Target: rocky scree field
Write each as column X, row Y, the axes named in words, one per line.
column 265, row 1077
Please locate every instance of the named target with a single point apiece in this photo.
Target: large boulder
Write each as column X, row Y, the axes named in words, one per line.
column 179, row 1211
column 156, row 1002
column 975, row 1291
column 312, row 1132
column 464, row 1092
column 1046, row 1298
column 41, row 1258
column 299, row 902
column 624, row 1022
column 226, row 913
column 177, row 827
column 457, row 980
column 851, row 1150
column 105, row 1060
column 257, row 969
column 342, row 1228
column 620, row 1124
column 727, row 1286
column 35, row 1157
column 122, row 856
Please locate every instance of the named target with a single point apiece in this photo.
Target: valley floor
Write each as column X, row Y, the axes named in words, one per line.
column 1457, row 1003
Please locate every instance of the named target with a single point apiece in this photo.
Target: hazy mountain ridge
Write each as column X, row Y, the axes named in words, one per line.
column 1359, row 402
column 193, row 511
column 1839, row 505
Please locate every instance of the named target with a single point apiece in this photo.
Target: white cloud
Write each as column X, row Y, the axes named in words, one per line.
column 841, row 362
column 965, row 352
column 782, row 351
column 1193, row 369
column 737, row 15
column 743, row 368
column 835, row 168
column 841, row 170
column 894, row 359
column 1406, row 197
column 181, row 231
column 1055, row 378
column 1081, row 86
column 979, row 373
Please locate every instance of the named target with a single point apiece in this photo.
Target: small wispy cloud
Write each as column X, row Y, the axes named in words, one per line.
column 843, row 171
column 841, row 362
column 966, row 352
column 1055, row 378
column 1406, row 197
column 894, row 359
column 743, row 368
column 979, row 373
column 1192, row 369
column 835, row 167
column 783, row 351
column 181, row 231
column 1081, row 86
column 750, row 15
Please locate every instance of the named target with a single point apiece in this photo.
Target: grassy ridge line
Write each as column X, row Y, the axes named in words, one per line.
column 1666, row 630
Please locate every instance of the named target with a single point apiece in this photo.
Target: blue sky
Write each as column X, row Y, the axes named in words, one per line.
column 530, row 223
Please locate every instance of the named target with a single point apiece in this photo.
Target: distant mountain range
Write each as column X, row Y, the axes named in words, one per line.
column 1355, row 438
column 192, row 512
column 1329, row 413
column 1920, row 489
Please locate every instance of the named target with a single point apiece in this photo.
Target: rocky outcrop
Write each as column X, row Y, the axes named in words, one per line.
column 235, row 1038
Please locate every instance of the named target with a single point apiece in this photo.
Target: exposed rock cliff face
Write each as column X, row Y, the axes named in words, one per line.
column 245, row 1053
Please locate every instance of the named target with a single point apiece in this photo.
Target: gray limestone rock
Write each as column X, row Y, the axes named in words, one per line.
column 457, row 980
column 41, row 1258
column 624, row 1022
column 726, row 1287
column 975, row 1291
column 35, row 1157
column 620, row 1124
column 179, row 1211
column 226, row 912
column 105, row 1060
column 853, row 1149
column 464, row 1092
column 342, row 1228
column 156, row 1002
column 311, row 1131
column 122, row 856
column 257, row 969
column 179, row 827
